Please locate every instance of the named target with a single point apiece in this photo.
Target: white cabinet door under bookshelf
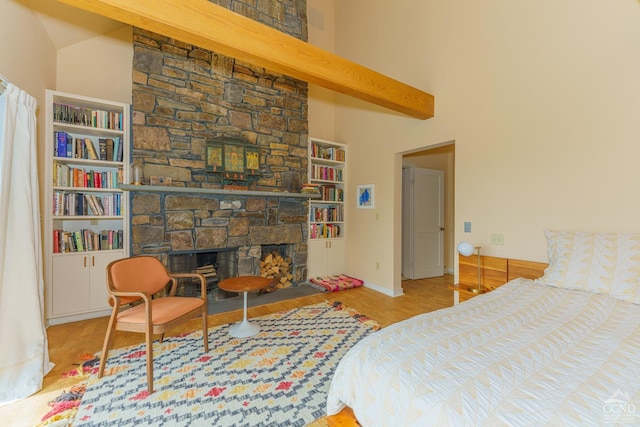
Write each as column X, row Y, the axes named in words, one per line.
column 86, row 212
column 80, row 282
column 326, row 257
column 327, row 227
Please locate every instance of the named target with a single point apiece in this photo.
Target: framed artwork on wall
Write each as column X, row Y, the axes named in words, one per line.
column 215, row 157
column 365, row 196
column 234, row 161
column 252, row 160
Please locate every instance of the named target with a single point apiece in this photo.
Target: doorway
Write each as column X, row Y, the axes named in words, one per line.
column 422, row 223
column 441, row 158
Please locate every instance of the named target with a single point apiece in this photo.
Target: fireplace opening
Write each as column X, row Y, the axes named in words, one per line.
column 276, row 263
column 215, row 265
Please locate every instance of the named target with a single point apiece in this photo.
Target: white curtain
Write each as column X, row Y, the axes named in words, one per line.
column 24, row 353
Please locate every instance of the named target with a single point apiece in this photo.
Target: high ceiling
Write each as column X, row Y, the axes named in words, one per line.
column 67, row 25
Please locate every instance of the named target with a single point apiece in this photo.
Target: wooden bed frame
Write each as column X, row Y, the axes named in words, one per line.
column 497, row 271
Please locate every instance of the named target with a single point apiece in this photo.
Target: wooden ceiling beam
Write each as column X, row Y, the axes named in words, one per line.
column 212, row 27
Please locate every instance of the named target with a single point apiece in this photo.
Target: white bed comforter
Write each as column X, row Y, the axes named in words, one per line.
column 524, row 354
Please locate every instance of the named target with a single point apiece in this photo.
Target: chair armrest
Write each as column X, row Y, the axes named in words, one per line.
column 146, row 298
column 203, row 281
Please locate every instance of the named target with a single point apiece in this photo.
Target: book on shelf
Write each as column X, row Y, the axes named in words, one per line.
column 325, row 231
column 91, row 150
column 310, row 188
column 93, row 205
column 102, row 143
column 86, row 240
column 326, row 173
column 117, row 150
column 78, row 240
column 87, row 117
column 84, row 149
column 79, row 204
column 109, row 149
column 60, row 147
column 327, row 153
column 99, row 205
column 331, row 193
column 56, row 242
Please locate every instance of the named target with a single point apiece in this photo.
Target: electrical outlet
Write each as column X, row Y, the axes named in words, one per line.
column 497, row 239
column 377, row 265
column 467, row 227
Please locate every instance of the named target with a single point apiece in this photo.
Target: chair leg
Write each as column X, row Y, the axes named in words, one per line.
column 205, row 331
column 107, row 343
column 149, row 339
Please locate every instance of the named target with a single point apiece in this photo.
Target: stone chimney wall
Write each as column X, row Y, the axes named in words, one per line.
column 184, row 96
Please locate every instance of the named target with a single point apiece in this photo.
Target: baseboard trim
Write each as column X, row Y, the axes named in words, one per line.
column 76, row 317
column 386, row 291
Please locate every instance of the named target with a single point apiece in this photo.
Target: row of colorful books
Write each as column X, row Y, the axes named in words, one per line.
column 324, row 231
column 68, row 176
column 86, row 240
column 326, row 173
column 79, row 204
column 328, row 214
column 327, row 153
column 90, row 117
column 65, row 145
column 331, row 193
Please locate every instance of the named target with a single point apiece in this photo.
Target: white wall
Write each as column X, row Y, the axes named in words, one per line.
column 101, row 67
column 320, row 23
column 28, row 60
column 541, row 98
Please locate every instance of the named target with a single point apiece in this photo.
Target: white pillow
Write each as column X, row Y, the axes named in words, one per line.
column 605, row 263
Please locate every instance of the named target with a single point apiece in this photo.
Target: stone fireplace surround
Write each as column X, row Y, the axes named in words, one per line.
column 169, row 223
column 184, row 96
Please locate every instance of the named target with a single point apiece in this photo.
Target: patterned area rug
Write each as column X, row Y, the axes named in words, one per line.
column 279, row 377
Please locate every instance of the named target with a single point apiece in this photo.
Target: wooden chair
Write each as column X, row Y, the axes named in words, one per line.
column 140, row 279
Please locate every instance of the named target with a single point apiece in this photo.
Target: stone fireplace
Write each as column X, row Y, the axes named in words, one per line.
column 166, row 223
column 183, row 97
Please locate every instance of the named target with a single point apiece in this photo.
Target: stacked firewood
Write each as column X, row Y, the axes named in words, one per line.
column 275, row 266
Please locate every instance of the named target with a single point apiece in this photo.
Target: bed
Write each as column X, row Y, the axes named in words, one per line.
column 563, row 349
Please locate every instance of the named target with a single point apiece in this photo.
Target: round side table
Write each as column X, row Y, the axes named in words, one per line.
column 244, row 284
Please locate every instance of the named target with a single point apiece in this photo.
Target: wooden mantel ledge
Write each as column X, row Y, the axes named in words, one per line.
column 215, row 28
column 218, row 191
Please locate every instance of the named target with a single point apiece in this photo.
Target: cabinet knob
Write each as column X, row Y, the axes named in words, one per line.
column 85, row 261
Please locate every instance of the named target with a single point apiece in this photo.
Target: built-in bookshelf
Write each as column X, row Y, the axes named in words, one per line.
column 327, row 171
column 86, row 211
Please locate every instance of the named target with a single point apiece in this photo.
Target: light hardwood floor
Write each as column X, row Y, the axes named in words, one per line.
column 67, row 342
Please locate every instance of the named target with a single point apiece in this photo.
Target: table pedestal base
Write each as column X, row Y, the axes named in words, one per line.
column 245, row 328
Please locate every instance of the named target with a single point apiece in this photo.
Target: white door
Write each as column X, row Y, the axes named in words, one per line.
column 423, row 223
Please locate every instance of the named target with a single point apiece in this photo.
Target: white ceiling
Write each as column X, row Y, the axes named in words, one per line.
column 67, row 25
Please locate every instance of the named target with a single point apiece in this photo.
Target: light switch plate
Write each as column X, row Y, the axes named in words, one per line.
column 497, row 239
